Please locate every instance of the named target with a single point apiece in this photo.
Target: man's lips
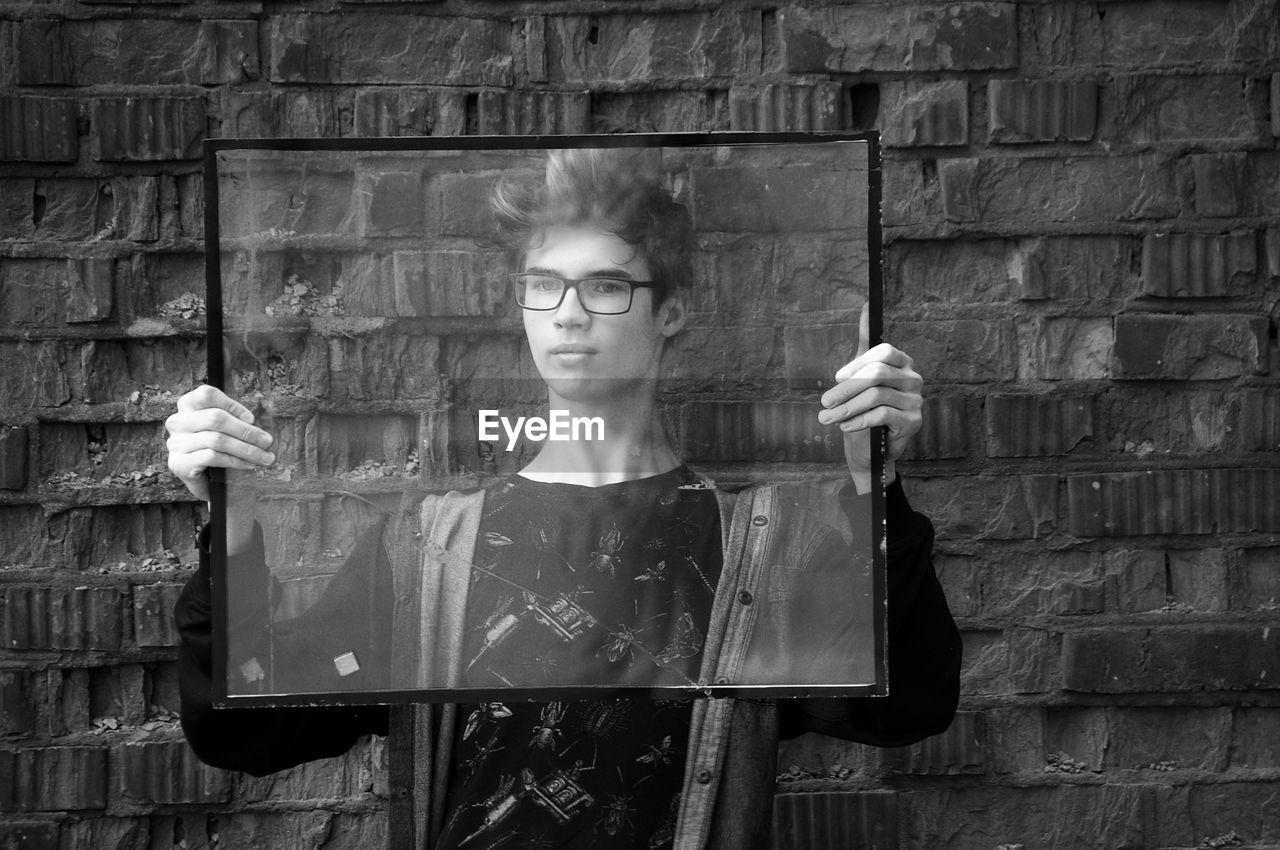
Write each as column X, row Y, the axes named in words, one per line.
column 572, row 348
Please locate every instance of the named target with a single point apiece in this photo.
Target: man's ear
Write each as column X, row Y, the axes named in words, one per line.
column 672, row 314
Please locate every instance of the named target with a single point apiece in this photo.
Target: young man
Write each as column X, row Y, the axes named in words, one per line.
column 664, row 579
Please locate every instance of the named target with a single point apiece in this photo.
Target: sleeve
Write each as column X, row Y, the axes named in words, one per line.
column 924, row 646
column 255, row 740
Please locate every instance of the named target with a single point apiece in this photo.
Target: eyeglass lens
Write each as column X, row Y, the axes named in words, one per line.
column 597, row 294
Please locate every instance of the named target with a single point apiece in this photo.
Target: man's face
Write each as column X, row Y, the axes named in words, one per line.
column 582, row 355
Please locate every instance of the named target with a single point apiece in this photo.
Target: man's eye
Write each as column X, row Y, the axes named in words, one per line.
column 606, row 286
column 541, row 284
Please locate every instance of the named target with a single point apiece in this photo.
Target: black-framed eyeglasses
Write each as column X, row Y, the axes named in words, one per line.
column 604, row 296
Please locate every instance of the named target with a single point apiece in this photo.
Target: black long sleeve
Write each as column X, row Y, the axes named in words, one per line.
column 256, row 740
column 924, row 648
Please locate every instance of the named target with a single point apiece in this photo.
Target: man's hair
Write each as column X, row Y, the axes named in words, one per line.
column 614, row 190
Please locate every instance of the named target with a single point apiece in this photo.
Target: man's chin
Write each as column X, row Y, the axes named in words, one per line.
column 582, row 389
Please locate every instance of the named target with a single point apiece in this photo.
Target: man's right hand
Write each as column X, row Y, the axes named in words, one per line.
column 213, row 429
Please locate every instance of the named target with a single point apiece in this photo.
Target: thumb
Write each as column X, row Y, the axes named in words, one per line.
column 864, row 329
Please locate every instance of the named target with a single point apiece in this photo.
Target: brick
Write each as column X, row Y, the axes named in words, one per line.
column 659, row 111
column 925, row 274
column 836, row 819
column 1275, row 105
column 1190, row 738
column 1198, row 265
column 22, row 535
column 279, row 368
column 17, row 703
column 168, row 288
column 1271, row 251
column 291, row 199
column 1136, row 580
column 357, row 367
column 100, row 451
column 751, row 279
column 410, row 112
column 813, row 354
column 958, row 350
column 1076, row 269
column 762, row 432
column 1256, row 585
column 1260, row 420
column 1171, row 659
column 925, row 114
column 1197, row 579
column 167, row 772
column 1173, row 501
column 268, row 114
column 1069, row 189
column 532, row 113
column 148, row 129
column 1034, row 426
column 1220, row 183
column 738, row 357
column 960, row 37
column 1152, row 109
column 1033, row 661
column 38, row 129
column 13, row 458
column 804, row 198
column 961, row 749
column 385, row 204
column 942, row 434
column 298, row 829
column 461, row 203
column 87, row 618
column 785, row 107
column 79, row 209
column 1198, row 347
column 29, row 835
column 1016, row 740
column 985, row 665
column 1056, row 815
column 340, row 444
column 330, row 48
column 1173, row 34
column 1238, row 807
column 1254, row 737
column 1064, row 583
column 53, row 778
column 137, row 51
column 651, row 48
column 1141, row 421
column 986, row 507
column 1080, row 733
column 17, row 202
column 961, row 577
column 118, row 535
column 68, row 692
column 153, row 623
column 117, row 833
column 1042, row 110
column 52, row 292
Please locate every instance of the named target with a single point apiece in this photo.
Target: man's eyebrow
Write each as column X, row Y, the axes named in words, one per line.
column 609, row 271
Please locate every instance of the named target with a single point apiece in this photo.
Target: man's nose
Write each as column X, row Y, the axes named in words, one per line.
column 570, row 311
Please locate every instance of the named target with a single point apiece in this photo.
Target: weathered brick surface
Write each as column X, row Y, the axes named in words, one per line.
column 1085, row 280
column 925, row 115
column 960, row 37
column 1190, row 347
column 1042, row 110
column 425, row 50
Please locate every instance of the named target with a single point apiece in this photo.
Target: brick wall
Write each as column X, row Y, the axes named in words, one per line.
column 1082, row 255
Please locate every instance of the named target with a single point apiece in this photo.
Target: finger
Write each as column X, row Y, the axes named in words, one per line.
column 868, row 400
column 205, row 396
column 217, row 420
column 882, row 353
column 221, row 444
column 902, row 424
column 874, row 375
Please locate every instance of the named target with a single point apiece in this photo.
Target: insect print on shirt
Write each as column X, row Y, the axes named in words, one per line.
column 605, row 559
column 660, row 754
column 486, row 712
column 686, row 641
column 497, row 541
column 616, row 815
column 621, row 642
column 656, row 573
column 483, row 752
column 546, row 736
column 545, row 543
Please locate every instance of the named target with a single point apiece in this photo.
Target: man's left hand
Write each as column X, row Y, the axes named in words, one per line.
column 878, row 387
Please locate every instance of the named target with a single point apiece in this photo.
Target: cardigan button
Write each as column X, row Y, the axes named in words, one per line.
column 703, row 776
column 744, row 597
column 722, row 680
column 760, row 520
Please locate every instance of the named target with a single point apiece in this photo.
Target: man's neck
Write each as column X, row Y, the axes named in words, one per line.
column 633, row 444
